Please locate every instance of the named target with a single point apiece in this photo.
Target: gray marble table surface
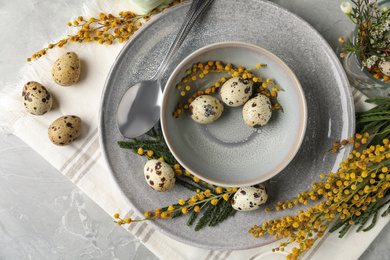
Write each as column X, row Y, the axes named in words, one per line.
column 43, row 215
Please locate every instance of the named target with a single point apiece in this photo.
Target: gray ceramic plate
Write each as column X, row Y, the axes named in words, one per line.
column 329, row 103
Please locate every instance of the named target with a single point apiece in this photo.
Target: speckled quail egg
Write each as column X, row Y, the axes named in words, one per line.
column 36, row 98
column 65, row 130
column 249, row 198
column 159, row 175
column 236, row 91
column 66, row 70
column 205, row 109
column 257, row 111
column 384, row 66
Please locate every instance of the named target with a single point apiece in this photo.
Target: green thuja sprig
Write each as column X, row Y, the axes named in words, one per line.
column 375, row 120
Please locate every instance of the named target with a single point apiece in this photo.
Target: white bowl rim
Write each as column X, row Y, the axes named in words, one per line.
column 266, row 176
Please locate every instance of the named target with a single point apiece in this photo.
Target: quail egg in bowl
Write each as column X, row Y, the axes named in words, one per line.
column 245, row 142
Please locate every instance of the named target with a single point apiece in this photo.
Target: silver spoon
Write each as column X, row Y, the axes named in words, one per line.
column 139, row 108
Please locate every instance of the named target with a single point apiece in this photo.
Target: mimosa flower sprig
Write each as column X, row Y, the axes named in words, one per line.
column 213, row 202
column 217, row 208
column 200, row 70
column 352, row 195
column 372, row 44
column 104, row 29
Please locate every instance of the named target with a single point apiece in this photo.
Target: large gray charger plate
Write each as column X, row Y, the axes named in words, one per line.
column 329, row 101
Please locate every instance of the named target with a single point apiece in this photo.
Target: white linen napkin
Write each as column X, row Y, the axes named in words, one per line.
column 83, row 164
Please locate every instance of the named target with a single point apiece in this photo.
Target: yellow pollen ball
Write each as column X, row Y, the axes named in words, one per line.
column 226, row 197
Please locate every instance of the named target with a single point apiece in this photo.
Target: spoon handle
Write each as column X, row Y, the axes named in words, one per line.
column 196, row 9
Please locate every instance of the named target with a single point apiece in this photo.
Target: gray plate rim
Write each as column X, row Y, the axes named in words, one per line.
column 327, row 49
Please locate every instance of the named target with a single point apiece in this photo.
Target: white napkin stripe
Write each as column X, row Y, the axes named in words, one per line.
column 149, row 230
column 208, row 257
column 357, row 96
column 227, row 254
column 354, row 91
column 78, row 151
column 141, row 229
column 218, row 255
column 130, row 214
column 137, row 229
column 88, row 168
column 148, row 235
column 133, row 226
column 130, row 228
column 84, row 158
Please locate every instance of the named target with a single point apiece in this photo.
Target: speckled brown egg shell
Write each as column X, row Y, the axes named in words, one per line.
column 257, row 111
column 384, row 66
column 205, row 109
column 159, row 175
column 36, row 98
column 66, row 70
column 236, row 91
column 65, row 130
column 249, row 198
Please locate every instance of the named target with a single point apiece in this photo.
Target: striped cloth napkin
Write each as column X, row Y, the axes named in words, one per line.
column 83, row 164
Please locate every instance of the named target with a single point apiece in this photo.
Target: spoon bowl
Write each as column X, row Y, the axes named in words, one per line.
column 139, row 109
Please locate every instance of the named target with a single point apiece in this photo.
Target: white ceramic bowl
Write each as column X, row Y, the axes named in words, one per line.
column 227, row 152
